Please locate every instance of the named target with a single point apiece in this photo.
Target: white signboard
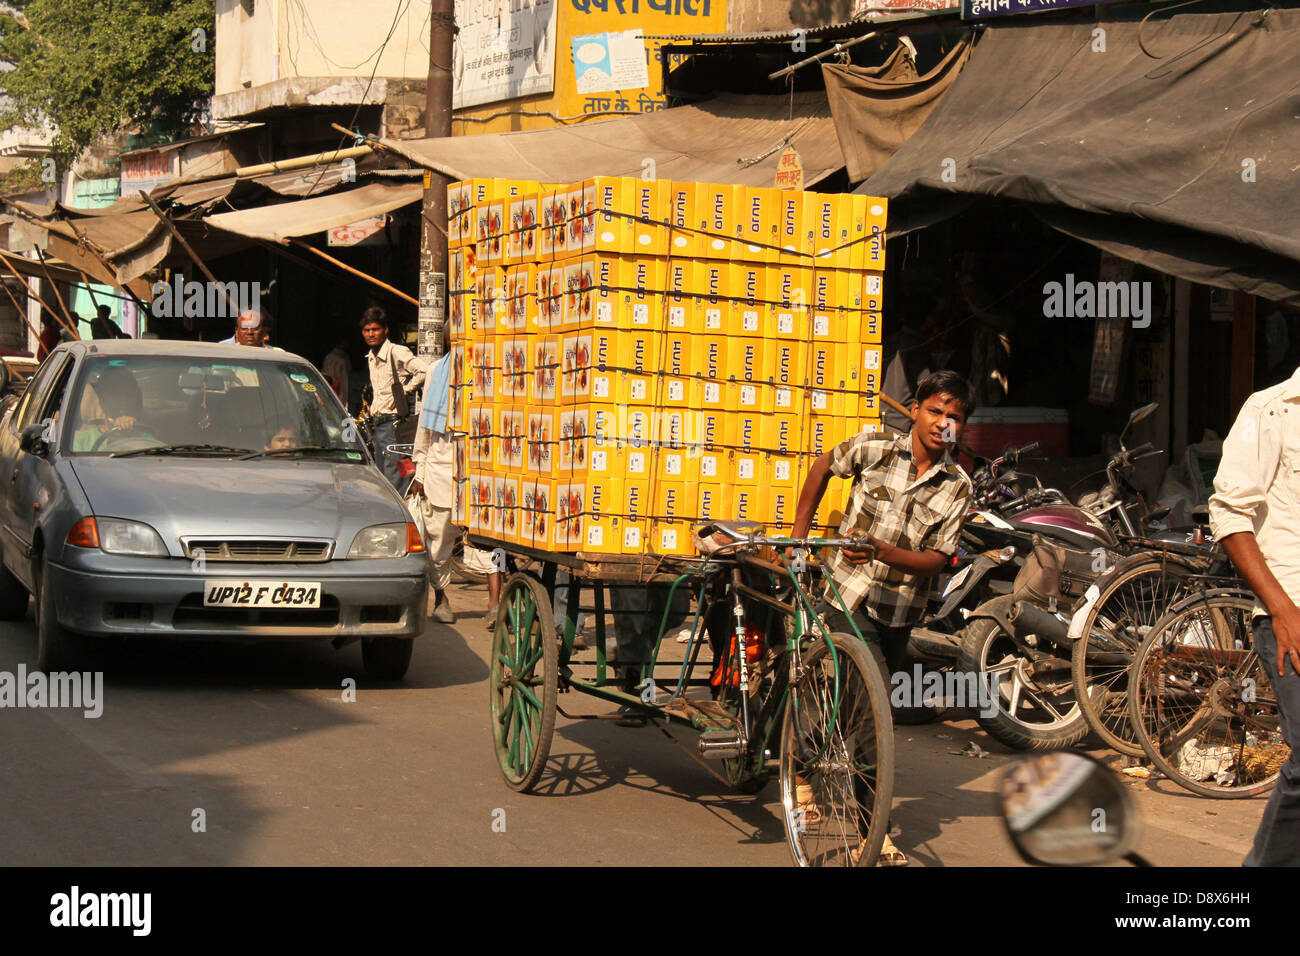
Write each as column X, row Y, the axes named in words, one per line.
column 364, row 232
column 503, row 49
column 605, row 62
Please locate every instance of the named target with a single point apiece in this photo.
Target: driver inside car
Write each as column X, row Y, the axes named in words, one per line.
column 111, row 404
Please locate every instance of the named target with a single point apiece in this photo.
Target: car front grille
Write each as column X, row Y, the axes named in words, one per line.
column 259, row 550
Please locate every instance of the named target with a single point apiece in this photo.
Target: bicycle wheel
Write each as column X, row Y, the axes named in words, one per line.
column 1201, row 702
column 1130, row 599
column 837, row 757
column 524, row 681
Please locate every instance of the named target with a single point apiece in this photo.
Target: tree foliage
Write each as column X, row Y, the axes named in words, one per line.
column 89, row 68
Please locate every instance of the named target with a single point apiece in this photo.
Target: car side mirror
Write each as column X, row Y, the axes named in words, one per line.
column 32, row 440
column 1067, row 809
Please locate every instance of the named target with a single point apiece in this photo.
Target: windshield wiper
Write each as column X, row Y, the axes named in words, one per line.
column 296, row 450
column 178, row 449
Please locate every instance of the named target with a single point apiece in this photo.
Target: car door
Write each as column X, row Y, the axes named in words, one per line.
column 32, row 477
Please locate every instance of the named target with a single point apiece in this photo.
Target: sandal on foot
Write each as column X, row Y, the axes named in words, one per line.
column 890, row 855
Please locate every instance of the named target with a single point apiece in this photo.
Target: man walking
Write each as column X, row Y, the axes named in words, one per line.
column 392, row 370
column 1255, row 515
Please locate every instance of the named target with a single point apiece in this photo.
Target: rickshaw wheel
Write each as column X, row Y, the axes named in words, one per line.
column 837, row 774
column 523, row 681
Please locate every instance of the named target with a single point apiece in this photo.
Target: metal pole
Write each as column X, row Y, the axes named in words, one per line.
column 433, row 241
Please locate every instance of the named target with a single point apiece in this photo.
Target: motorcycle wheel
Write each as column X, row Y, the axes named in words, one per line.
column 1031, row 714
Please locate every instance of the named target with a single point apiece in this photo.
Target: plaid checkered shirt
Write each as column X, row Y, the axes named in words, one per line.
column 889, row 502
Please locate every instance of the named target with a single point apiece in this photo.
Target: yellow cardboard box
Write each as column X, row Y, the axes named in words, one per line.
column 512, row 382
column 506, row 517
column 575, row 368
column 579, row 295
column 460, row 502
column 458, row 203
column 749, row 359
column 711, row 282
column 679, row 302
column 675, row 505
column 650, row 206
column 520, row 297
column 863, row 328
column 551, row 213
column 759, row 218
column 478, row 194
column 491, row 245
column 624, row 366
column 548, row 313
column 482, row 499
column 749, row 308
column 481, row 438
column 780, row 434
column 646, row 277
column 570, row 510
column 684, row 241
column 750, row 398
column 483, row 369
column 708, row 358
column 793, row 230
column 674, row 389
column 602, row 533
column 639, row 453
column 635, row 509
column 851, row 224
column 874, row 248
column 612, row 203
column 715, row 217
column 821, row 212
column 746, row 503
column 544, row 372
column 512, row 428
column 745, row 430
column 523, row 214
column 713, row 503
column 542, row 452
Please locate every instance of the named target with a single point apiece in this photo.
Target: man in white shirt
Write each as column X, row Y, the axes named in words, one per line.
column 384, row 359
column 1255, row 515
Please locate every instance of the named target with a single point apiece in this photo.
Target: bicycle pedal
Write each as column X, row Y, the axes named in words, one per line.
column 720, row 744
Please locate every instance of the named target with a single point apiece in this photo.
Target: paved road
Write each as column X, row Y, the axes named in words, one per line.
column 259, row 739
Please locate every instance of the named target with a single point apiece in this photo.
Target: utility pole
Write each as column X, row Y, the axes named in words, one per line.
column 433, row 231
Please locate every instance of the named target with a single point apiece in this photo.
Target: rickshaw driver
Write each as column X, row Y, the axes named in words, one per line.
column 907, row 502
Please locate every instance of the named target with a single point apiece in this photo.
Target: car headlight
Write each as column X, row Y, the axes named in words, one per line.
column 118, row 536
column 386, row 541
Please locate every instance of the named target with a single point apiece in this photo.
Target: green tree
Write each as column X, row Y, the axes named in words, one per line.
column 90, row 68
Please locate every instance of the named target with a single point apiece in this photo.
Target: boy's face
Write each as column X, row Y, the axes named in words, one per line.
column 282, row 439
column 938, row 422
column 374, row 334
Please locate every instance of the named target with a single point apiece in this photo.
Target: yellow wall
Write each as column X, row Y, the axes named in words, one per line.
column 582, row 17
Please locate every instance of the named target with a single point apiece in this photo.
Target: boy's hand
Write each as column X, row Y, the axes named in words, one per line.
column 864, row 554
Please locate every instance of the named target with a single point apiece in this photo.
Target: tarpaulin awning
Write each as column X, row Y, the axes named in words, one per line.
column 729, row 139
column 303, row 217
column 878, row 108
column 1186, row 160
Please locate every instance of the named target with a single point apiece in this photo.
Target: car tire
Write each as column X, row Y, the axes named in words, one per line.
column 57, row 648
column 13, row 597
column 386, row 658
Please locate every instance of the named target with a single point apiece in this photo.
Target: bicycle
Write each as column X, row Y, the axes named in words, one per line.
column 1200, row 698
column 781, row 681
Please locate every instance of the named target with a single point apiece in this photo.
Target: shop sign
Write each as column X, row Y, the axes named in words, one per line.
column 502, row 51
column 363, row 232
column 983, row 9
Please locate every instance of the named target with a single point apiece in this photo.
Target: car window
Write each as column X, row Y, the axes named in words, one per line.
column 34, row 396
column 130, row 403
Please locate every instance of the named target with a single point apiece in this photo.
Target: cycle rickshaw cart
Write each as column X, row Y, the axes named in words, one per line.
column 782, row 693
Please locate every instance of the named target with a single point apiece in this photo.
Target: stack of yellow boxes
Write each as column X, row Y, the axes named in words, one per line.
column 633, row 357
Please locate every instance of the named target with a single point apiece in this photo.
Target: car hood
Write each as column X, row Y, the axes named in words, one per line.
column 205, row 496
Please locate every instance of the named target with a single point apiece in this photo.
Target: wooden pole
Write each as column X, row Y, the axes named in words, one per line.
column 171, row 227
column 21, row 311
column 58, row 297
column 357, row 272
column 37, row 297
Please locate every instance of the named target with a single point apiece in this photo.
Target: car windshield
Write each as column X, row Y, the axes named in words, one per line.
column 178, row 405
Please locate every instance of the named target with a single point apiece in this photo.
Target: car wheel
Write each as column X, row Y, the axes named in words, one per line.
column 57, row 648
column 13, row 597
column 386, row 658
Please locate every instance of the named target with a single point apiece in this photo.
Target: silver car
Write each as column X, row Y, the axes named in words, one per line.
column 188, row 489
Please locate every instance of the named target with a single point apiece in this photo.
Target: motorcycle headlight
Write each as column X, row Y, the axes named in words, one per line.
column 118, row 536
column 386, row 541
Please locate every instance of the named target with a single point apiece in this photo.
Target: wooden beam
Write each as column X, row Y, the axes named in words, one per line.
column 171, row 227
column 357, row 272
column 36, row 296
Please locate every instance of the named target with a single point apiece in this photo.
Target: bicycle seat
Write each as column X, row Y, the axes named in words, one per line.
column 716, row 534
